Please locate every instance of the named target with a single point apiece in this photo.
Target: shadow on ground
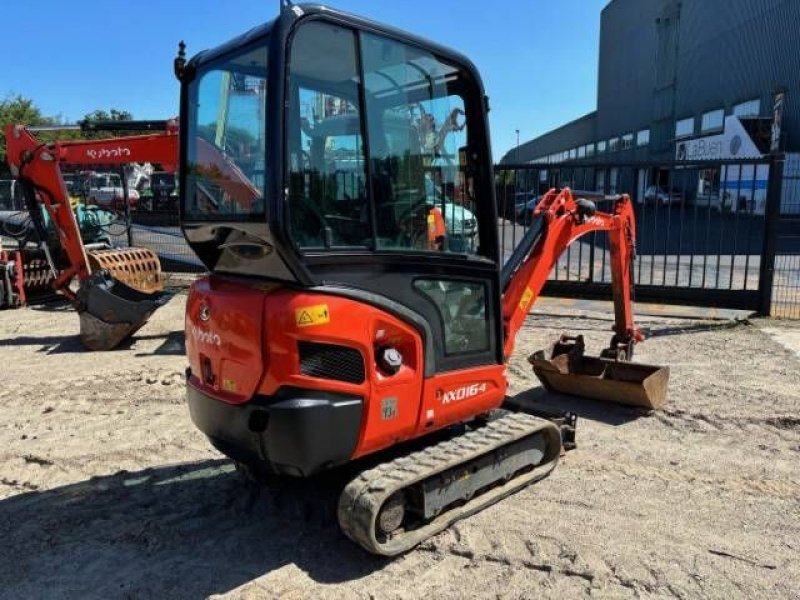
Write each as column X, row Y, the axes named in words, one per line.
column 58, row 344
column 604, row 412
column 190, row 530
column 173, row 345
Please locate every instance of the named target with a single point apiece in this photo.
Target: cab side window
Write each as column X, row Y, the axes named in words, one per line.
column 328, row 199
column 418, row 134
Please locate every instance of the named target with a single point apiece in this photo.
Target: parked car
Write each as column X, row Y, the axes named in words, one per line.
column 524, row 203
column 660, row 196
column 105, row 190
column 461, row 224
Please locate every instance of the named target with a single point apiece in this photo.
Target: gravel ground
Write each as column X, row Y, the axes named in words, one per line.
column 107, row 490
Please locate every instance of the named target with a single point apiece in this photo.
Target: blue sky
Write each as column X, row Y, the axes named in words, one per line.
column 538, row 58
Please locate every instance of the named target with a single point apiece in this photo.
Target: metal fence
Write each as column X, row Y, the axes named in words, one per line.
column 701, row 229
column 159, row 230
column 723, row 233
column 786, row 277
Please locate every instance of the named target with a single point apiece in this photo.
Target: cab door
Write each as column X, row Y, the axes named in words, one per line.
column 389, row 185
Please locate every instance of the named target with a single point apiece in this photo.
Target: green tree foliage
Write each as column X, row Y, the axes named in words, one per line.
column 16, row 109
column 110, row 115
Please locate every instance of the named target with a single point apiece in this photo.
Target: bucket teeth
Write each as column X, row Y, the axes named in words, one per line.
column 99, row 335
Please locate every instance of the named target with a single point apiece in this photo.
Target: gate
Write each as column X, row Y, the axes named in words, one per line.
column 785, row 288
column 700, row 228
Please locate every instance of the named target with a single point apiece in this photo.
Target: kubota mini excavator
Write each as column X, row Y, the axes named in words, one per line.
column 118, row 288
column 339, row 320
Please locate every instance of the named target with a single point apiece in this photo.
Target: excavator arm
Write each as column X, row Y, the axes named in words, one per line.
column 113, row 298
column 37, row 166
column 562, row 219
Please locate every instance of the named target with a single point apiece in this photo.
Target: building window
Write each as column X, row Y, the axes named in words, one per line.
column 613, row 144
column 684, row 127
column 582, row 152
column 713, row 120
column 601, row 147
column 590, row 150
column 627, row 141
column 573, row 153
column 751, row 108
column 643, row 138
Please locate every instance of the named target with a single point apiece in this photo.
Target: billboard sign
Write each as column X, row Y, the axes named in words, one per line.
column 777, row 121
column 733, row 143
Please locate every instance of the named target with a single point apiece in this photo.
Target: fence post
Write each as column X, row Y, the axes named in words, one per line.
column 772, row 212
column 127, row 205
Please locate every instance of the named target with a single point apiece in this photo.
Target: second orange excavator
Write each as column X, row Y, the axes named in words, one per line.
column 117, row 288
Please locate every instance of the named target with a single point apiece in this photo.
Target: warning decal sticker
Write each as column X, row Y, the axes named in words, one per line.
column 526, row 298
column 312, row 315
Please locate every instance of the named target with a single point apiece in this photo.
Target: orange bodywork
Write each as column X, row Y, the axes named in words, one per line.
column 247, row 346
column 243, row 337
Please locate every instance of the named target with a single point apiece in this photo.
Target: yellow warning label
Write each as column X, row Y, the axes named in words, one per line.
column 229, row 385
column 312, row 315
column 526, row 298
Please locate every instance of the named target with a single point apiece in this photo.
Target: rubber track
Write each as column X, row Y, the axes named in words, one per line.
column 364, row 496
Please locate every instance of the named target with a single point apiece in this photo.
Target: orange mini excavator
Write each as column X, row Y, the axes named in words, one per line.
column 118, row 289
column 356, row 308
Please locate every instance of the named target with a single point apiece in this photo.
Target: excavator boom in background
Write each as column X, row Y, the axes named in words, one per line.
column 118, row 289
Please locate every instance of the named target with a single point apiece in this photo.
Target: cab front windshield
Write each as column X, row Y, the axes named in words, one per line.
column 226, row 152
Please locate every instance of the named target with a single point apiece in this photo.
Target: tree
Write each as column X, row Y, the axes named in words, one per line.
column 111, row 115
column 16, row 109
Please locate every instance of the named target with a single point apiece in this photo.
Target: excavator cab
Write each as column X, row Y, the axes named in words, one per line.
column 324, row 152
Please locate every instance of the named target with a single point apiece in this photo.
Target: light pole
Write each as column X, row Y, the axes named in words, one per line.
column 516, row 160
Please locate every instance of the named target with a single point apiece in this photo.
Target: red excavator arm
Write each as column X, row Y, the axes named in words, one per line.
column 118, row 288
column 38, row 165
column 564, row 220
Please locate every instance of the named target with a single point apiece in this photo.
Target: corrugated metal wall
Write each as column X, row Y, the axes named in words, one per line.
column 662, row 60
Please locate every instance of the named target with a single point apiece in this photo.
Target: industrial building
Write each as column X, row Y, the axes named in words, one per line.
column 686, row 80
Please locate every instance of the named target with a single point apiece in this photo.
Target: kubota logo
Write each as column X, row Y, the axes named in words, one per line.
column 462, row 393
column 205, row 312
column 206, row 337
column 118, row 152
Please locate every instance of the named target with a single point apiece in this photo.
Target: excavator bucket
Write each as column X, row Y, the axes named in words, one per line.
column 111, row 311
column 138, row 268
column 568, row 371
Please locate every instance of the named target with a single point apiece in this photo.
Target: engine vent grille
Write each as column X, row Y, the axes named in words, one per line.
column 330, row 361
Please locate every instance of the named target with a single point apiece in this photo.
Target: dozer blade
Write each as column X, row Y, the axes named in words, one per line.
column 111, row 311
column 138, row 268
column 568, row 371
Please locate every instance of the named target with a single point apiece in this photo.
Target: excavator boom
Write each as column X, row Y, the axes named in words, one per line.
column 560, row 220
column 118, row 289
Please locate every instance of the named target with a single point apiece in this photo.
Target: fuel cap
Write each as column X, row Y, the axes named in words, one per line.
column 389, row 360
